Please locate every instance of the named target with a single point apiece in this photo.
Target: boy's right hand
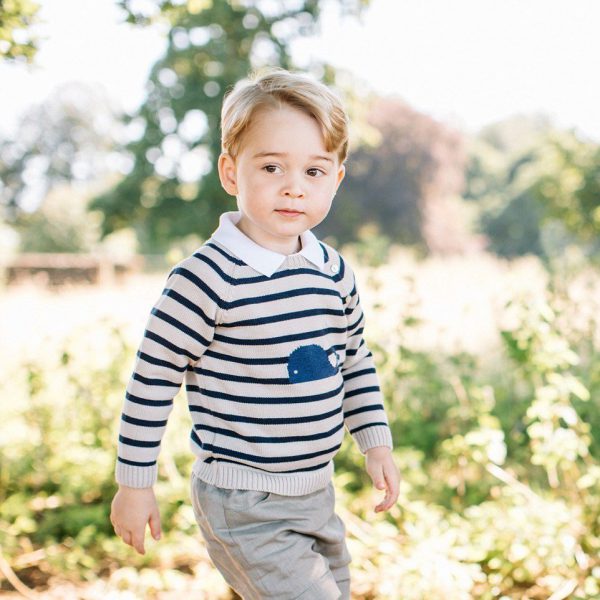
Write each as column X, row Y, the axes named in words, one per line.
column 131, row 510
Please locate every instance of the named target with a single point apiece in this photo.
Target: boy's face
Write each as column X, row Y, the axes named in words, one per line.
column 283, row 178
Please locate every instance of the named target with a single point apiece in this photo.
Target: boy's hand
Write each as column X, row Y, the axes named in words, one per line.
column 131, row 510
column 384, row 474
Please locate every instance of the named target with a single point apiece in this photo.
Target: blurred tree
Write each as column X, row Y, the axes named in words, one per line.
column 61, row 224
column 500, row 172
column 403, row 179
column 16, row 40
column 173, row 190
column 536, row 187
column 569, row 186
column 63, row 153
column 70, row 137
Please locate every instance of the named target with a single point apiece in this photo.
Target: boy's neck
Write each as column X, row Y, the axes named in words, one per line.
column 285, row 247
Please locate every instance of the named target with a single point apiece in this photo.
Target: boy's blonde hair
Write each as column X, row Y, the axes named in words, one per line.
column 277, row 88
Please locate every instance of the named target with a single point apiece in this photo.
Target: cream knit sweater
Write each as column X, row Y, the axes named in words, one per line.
column 274, row 366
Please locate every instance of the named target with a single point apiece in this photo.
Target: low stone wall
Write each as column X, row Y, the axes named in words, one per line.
column 59, row 269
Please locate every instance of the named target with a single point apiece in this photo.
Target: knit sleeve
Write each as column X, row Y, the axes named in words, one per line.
column 364, row 413
column 178, row 330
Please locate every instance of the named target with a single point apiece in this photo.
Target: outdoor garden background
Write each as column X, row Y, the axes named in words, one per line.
column 477, row 259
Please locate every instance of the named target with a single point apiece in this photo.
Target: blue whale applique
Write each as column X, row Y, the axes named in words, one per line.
column 309, row 363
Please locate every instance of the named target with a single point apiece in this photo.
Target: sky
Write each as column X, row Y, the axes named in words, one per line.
column 465, row 62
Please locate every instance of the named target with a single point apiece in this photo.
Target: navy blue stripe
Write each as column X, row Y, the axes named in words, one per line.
column 215, row 267
column 325, row 253
column 340, row 274
column 247, row 361
column 362, row 409
column 271, row 440
column 189, row 305
column 146, row 402
column 359, row 332
column 135, row 463
column 256, row 278
column 367, row 426
column 354, row 351
column 179, row 325
column 160, row 382
column 161, row 363
column 282, row 296
column 280, row 275
column 240, row 378
column 268, row 459
column 359, row 373
column 200, row 284
column 265, row 421
column 235, row 462
column 229, row 257
column 142, row 422
column 163, row 342
column 285, row 317
column 256, row 300
column 282, row 339
column 294, row 272
column 196, row 439
column 355, row 324
column 263, row 400
column 365, row 390
column 140, row 443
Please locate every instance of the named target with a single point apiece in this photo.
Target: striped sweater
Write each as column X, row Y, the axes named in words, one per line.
column 275, row 366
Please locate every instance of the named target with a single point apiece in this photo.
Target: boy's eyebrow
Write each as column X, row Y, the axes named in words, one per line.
column 313, row 157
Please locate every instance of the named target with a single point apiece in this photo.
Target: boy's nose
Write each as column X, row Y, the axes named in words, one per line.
column 294, row 193
column 293, row 188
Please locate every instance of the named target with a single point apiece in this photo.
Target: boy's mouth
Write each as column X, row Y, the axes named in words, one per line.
column 289, row 213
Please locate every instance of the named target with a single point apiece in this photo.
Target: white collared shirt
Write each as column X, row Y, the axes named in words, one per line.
column 262, row 259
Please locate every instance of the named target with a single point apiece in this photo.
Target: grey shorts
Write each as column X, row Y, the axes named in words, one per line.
column 269, row 546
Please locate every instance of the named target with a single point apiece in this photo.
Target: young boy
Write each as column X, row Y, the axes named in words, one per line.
column 264, row 324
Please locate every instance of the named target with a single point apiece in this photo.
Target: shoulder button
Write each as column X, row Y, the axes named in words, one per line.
column 335, row 269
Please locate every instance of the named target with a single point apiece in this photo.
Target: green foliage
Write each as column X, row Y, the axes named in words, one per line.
column 569, row 187
column 536, row 188
column 16, row 41
column 500, row 468
column 57, row 462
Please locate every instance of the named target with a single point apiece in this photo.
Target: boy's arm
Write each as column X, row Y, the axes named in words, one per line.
column 178, row 331
column 364, row 413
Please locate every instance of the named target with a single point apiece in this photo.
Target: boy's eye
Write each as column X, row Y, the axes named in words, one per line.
column 314, row 172
column 271, row 168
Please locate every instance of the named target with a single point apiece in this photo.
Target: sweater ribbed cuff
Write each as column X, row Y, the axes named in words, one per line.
column 371, row 437
column 135, row 477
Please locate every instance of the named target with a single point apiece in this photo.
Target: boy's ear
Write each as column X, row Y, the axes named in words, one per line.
column 227, row 175
column 340, row 176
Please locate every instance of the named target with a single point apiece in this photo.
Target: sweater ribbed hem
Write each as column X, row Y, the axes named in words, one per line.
column 239, row 478
column 135, row 477
column 371, row 437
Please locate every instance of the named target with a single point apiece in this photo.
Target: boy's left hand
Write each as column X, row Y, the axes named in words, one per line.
column 384, row 474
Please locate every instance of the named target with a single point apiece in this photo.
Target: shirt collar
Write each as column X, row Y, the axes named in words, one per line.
column 262, row 259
